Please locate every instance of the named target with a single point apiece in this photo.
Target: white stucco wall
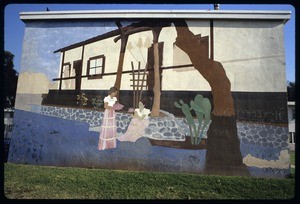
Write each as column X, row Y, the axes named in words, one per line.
column 252, row 52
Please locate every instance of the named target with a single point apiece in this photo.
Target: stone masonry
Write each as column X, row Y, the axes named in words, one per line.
column 169, row 127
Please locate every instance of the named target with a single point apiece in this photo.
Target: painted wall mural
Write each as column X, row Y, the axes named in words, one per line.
column 154, row 95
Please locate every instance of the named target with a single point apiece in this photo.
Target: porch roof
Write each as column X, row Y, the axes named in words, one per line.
column 91, row 40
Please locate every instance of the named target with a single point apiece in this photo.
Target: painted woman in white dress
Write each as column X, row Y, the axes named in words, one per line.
column 107, row 137
column 138, row 123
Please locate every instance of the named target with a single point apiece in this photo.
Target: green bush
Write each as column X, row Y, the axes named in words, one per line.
column 97, row 102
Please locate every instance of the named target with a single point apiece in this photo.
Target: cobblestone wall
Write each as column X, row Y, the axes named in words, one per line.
column 263, row 135
column 171, row 128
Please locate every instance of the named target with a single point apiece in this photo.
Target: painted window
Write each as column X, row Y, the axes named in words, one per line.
column 96, row 67
column 66, row 74
column 66, row 70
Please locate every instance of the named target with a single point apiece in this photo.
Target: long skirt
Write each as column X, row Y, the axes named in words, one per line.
column 107, row 137
column 136, row 130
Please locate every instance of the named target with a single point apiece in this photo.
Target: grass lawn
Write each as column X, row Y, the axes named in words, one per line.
column 43, row 182
column 292, row 155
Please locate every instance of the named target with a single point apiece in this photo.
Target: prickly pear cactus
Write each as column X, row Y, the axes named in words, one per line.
column 202, row 108
column 188, row 115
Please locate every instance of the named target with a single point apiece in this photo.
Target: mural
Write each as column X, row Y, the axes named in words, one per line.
column 145, row 95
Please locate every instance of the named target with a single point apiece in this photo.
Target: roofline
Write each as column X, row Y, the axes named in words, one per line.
column 90, row 40
column 148, row 14
column 106, row 35
column 187, row 14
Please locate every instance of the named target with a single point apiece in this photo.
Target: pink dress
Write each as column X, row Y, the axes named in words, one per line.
column 107, row 137
column 136, row 128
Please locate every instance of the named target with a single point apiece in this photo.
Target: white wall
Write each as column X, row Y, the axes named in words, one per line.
column 252, row 53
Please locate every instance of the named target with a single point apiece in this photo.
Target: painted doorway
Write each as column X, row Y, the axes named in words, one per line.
column 77, row 65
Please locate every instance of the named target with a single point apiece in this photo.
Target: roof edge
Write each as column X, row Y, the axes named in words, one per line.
column 188, row 14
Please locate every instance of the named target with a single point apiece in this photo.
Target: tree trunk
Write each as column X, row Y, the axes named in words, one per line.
column 117, row 84
column 223, row 154
column 156, row 88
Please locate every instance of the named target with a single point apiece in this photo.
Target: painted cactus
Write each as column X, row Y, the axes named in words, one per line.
column 202, row 108
column 188, row 115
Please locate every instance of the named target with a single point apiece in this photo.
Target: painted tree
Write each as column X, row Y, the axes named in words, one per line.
column 10, row 80
column 155, row 25
column 291, row 89
column 223, row 154
column 156, row 88
column 124, row 39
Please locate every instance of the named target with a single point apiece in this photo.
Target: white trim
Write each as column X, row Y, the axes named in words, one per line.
column 187, row 14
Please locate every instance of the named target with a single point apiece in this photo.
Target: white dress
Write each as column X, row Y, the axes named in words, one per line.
column 110, row 101
column 136, row 128
column 145, row 112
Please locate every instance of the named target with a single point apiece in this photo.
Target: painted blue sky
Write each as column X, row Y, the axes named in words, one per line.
column 14, row 27
column 42, row 39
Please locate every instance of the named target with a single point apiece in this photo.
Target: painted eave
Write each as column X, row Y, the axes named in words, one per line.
column 186, row 14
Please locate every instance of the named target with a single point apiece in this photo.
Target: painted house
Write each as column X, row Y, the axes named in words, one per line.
column 90, row 66
column 213, row 79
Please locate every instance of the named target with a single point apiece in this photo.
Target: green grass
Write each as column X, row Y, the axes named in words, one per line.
column 292, row 156
column 41, row 182
column 292, row 159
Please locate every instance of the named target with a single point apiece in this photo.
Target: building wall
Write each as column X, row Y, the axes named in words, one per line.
column 251, row 53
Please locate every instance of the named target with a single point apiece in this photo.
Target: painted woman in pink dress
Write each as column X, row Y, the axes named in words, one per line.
column 137, row 124
column 107, row 137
